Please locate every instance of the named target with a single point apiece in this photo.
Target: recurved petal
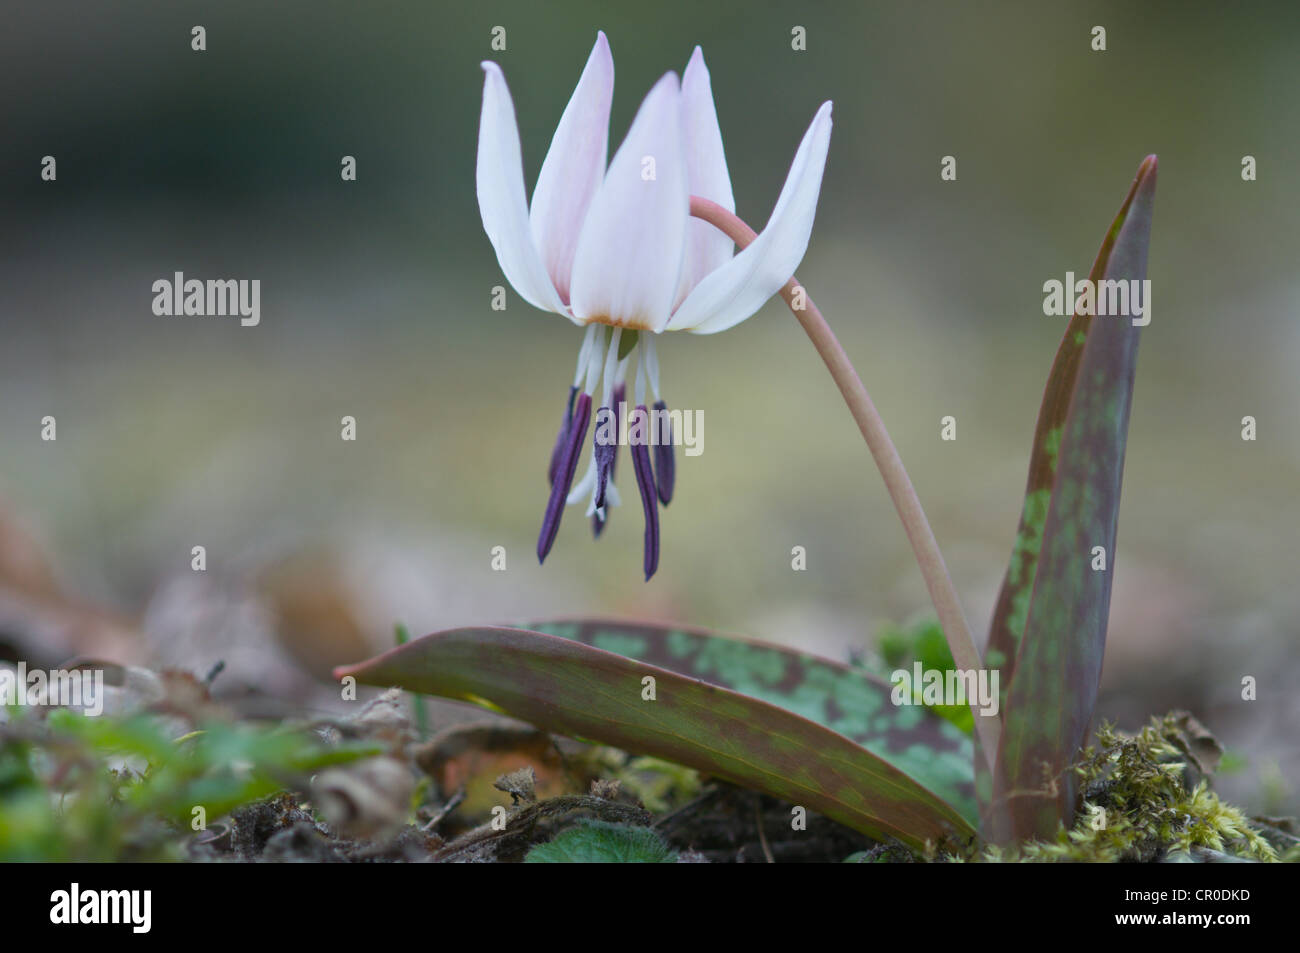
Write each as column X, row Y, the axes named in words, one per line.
column 733, row 292
column 574, row 167
column 707, row 248
column 630, row 252
column 500, row 182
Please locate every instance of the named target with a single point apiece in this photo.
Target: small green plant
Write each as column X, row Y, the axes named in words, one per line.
column 125, row 788
column 419, row 710
column 602, row 842
column 902, row 647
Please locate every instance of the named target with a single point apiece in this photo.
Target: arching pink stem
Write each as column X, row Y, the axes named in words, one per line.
column 942, row 592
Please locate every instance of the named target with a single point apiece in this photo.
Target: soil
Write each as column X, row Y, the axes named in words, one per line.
column 723, row 824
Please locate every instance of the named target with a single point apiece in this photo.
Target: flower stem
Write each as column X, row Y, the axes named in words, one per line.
column 942, row 592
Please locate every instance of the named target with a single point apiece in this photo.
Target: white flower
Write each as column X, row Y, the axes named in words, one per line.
column 615, row 250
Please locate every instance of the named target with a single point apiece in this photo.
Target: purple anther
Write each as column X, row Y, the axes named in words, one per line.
column 560, row 438
column 564, row 470
column 606, row 446
column 665, row 464
column 645, row 481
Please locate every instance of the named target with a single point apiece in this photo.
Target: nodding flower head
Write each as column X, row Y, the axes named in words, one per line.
column 614, row 250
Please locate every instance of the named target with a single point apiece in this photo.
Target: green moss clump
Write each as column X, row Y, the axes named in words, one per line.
column 1138, row 805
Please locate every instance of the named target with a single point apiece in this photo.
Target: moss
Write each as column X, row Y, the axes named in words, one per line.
column 1138, row 805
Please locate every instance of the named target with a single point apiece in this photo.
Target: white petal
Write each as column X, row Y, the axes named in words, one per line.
column 707, row 248
column 574, row 167
column 500, row 181
column 740, row 287
column 630, row 253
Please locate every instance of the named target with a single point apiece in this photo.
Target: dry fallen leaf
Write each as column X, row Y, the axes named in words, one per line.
column 367, row 799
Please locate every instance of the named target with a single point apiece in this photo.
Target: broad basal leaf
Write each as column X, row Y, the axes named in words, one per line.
column 1049, row 627
column 932, row 751
column 585, row 692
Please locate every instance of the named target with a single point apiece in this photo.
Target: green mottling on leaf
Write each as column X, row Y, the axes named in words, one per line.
column 744, row 667
column 1112, row 411
column 1027, row 546
column 843, row 703
column 680, row 644
column 618, row 642
column 1030, row 538
column 909, row 716
column 947, row 762
column 946, row 773
column 1089, row 504
column 1052, row 445
column 954, row 732
column 565, row 630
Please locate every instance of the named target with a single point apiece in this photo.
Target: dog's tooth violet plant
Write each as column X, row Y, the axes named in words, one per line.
column 615, row 250
column 653, row 244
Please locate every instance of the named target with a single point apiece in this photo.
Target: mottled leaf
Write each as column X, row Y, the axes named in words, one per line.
column 589, row 693
column 1049, row 627
column 854, row 703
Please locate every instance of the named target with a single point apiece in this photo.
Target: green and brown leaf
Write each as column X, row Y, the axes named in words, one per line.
column 571, row 688
column 1049, row 627
column 852, row 702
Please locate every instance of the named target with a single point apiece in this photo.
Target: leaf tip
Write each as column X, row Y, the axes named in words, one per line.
column 1147, row 170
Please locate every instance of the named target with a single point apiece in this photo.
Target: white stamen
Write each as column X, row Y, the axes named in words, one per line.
column 611, row 367
column 584, row 486
column 602, row 366
column 640, row 372
column 584, row 354
column 652, row 365
column 594, row 362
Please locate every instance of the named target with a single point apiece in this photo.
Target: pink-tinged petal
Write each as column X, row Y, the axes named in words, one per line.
column 574, row 167
column 707, row 248
column 500, row 182
column 630, row 252
column 733, row 292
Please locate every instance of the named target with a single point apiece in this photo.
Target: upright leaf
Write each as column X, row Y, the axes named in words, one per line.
column 1049, row 627
column 584, row 692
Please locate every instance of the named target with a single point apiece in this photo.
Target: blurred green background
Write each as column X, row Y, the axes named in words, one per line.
column 174, row 432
